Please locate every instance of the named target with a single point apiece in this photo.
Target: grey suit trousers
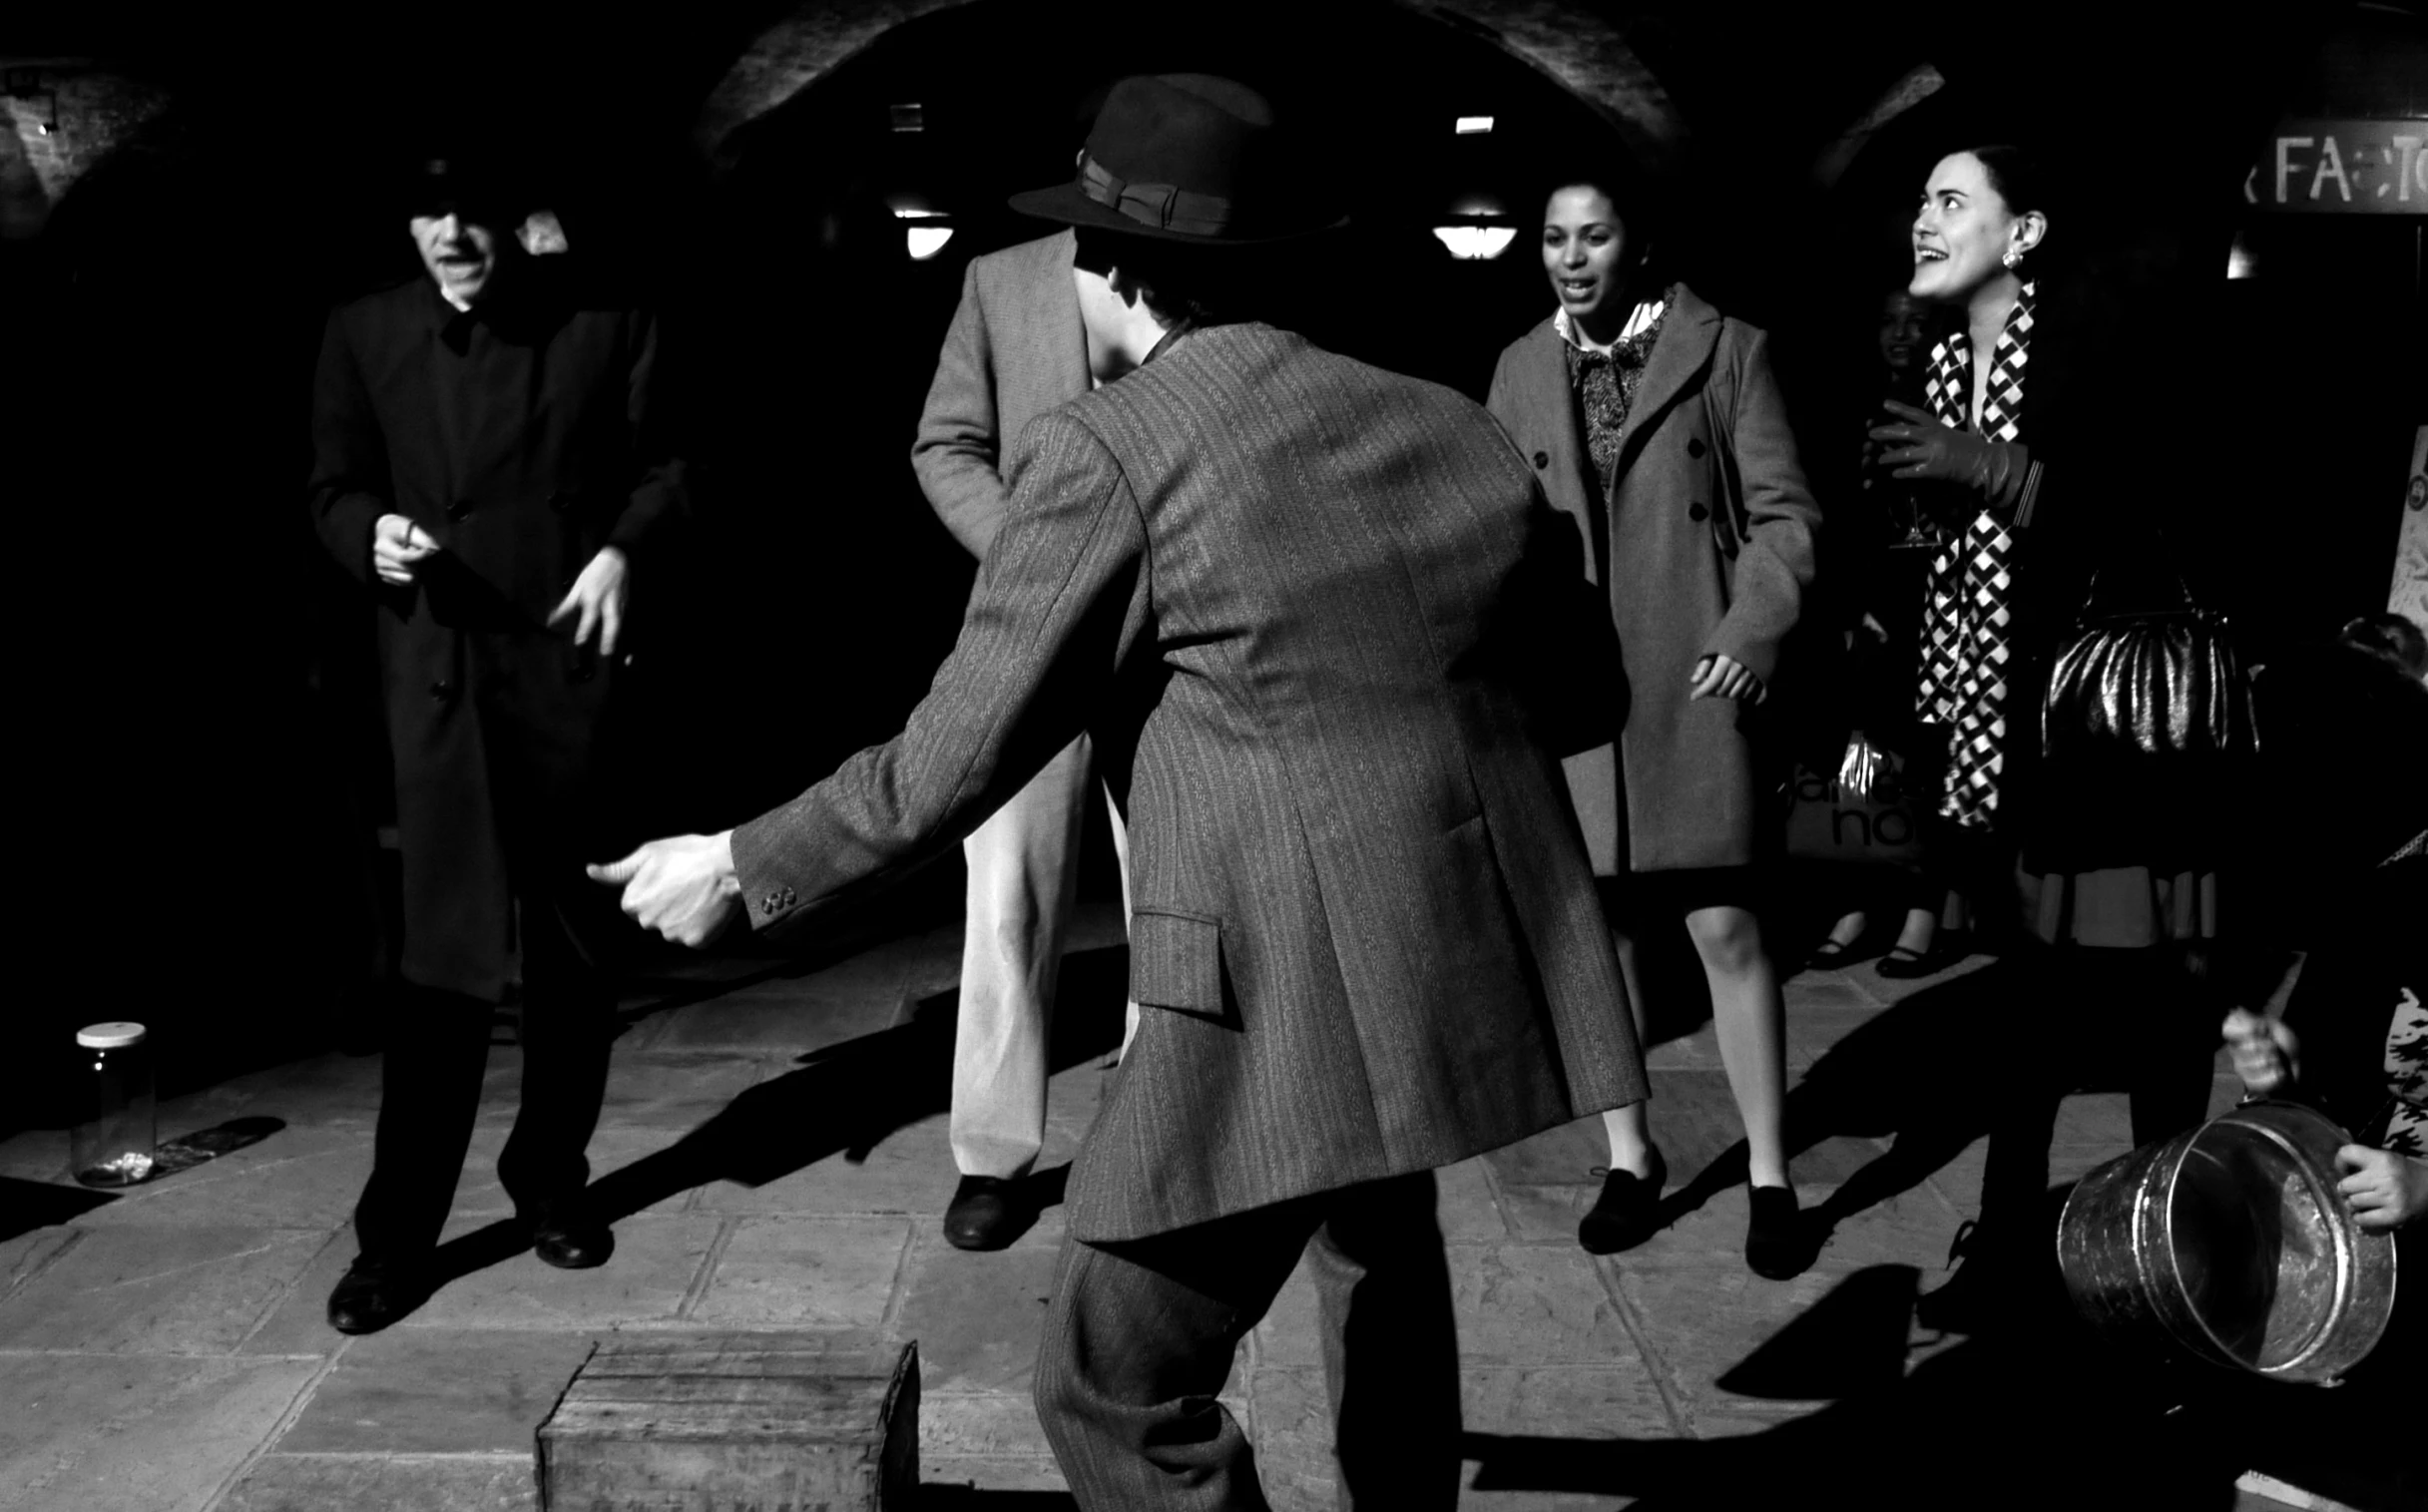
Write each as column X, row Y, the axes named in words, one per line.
column 1141, row 1334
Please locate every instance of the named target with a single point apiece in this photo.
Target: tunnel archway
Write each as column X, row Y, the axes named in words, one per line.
column 1576, row 46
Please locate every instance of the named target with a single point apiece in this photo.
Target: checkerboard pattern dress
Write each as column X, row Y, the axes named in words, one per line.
column 1968, row 597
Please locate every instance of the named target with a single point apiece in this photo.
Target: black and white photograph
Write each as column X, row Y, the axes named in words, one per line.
column 1331, row 755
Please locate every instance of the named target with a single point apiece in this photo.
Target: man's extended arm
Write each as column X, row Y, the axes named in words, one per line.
column 1062, row 605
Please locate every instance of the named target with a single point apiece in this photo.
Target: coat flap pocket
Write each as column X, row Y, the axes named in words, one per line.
column 1176, row 961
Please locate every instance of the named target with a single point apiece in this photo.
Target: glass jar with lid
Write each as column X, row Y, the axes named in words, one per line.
column 113, row 1146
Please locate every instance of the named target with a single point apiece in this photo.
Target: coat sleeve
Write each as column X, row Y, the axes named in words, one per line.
column 1779, row 518
column 660, row 509
column 1062, row 605
column 349, row 488
column 958, row 451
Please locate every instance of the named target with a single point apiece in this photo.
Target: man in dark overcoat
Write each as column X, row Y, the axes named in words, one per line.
column 489, row 460
column 1318, row 620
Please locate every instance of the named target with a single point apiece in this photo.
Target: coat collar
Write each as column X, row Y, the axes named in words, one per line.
column 1687, row 335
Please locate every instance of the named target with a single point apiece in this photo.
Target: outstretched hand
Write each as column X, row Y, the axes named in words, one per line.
column 683, row 887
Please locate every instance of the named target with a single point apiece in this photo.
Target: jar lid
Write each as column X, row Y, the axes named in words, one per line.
column 110, row 1036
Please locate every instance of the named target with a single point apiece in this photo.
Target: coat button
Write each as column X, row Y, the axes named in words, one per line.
column 1695, row 446
column 1542, row 459
column 1698, row 512
column 442, row 690
column 459, row 509
column 560, row 500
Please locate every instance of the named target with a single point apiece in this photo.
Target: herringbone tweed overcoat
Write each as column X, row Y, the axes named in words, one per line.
column 1317, row 617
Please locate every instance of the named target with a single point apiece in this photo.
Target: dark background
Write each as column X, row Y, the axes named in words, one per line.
column 203, row 778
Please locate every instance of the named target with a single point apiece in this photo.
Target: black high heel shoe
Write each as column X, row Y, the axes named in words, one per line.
column 1622, row 1216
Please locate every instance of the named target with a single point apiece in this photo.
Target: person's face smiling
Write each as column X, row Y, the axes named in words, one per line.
column 461, row 253
column 1585, row 249
column 1962, row 232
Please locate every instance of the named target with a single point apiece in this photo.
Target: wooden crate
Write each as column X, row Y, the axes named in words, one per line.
column 735, row 1422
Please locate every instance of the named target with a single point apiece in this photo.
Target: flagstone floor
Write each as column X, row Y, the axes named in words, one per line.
column 168, row 1350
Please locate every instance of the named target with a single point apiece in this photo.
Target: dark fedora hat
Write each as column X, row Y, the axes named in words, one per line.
column 1189, row 158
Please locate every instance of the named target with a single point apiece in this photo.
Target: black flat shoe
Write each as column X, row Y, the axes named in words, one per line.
column 1903, row 962
column 986, row 1213
column 1622, row 1216
column 570, row 1240
column 1777, row 1247
column 373, row 1294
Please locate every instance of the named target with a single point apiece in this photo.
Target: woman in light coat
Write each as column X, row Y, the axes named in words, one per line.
column 1656, row 425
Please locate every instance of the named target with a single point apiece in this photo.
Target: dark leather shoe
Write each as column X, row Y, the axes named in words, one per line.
column 986, row 1213
column 1903, row 962
column 570, row 1241
column 1776, row 1245
column 1623, row 1217
column 372, row 1294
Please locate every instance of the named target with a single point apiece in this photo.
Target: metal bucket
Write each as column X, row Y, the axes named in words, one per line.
column 2231, row 1242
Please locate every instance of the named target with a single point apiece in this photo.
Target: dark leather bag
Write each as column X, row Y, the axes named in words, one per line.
column 2163, row 684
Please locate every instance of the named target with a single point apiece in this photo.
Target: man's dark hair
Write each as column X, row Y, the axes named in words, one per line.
column 1181, row 285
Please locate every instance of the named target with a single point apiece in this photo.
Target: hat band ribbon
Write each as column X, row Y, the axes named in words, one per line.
column 1166, row 206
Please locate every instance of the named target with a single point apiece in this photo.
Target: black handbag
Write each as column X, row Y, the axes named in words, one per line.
column 2161, row 685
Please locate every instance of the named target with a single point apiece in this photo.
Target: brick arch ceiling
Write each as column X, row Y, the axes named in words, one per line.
column 1565, row 40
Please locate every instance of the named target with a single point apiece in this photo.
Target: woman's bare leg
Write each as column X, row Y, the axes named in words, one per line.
column 1751, row 1018
column 1629, row 1129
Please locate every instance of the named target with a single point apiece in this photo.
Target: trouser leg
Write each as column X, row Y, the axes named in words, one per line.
column 2174, row 1060
column 1390, row 1346
column 1138, row 1342
column 2026, row 1088
column 429, row 1090
column 1023, row 871
column 568, row 1028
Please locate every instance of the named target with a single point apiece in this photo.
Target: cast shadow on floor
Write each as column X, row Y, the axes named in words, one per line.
column 2048, row 1417
column 848, row 1098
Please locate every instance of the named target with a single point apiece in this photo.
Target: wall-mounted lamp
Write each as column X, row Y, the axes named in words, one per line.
column 908, row 118
column 926, row 232
column 1473, row 126
column 2239, row 263
column 1477, row 241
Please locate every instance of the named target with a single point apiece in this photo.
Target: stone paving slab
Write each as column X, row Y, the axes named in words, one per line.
column 439, row 1392
column 979, row 1425
column 302, row 1177
column 23, row 1258
column 129, row 1433
column 323, row 1089
column 803, row 1273
column 298, row 1324
column 1706, row 1325
column 656, row 1264
column 776, row 1019
column 192, row 1289
column 910, row 1172
column 977, row 1315
column 478, row 1191
column 385, row 1483
column 671, row 1089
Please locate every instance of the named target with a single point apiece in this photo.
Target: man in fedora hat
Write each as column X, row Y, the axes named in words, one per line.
column 489, row 461
column 1321, row 626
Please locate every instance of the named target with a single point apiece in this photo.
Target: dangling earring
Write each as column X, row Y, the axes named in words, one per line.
column 2012, row 258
